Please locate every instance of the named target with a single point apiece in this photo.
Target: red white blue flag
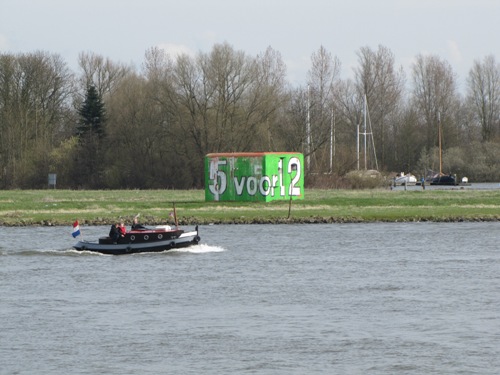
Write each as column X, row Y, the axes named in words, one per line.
column 76, row 229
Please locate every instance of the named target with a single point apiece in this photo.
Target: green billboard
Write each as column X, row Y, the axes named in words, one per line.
column 254, row 176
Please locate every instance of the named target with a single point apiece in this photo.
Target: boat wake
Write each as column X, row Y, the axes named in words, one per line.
column 196, row 249
column 54, row 252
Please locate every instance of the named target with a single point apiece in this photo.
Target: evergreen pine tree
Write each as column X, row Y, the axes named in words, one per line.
column 92, row 114
column 91, row 133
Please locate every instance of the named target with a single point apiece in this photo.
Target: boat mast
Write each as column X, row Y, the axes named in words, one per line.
column 364, row 133
column 308, row 131
column 364, row 120
column 440, row 146
column 373, row 140
column 357, row 145
column 332, row 140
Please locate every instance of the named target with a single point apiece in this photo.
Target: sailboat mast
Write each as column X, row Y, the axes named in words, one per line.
column 357, row 144
column 308, row 130
column 365, row 131
column 440, row 146
column 332, row 139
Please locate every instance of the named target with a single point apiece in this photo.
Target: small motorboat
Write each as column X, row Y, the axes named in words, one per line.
column 158, row 239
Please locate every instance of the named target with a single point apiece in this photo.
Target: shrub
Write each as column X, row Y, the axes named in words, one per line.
column 366, row 179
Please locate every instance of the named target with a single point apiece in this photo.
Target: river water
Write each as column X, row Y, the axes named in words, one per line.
column 379, row 298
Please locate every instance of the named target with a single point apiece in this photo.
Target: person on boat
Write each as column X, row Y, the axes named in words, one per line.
column 114, row 233
column 136, row 225
column 122, row 230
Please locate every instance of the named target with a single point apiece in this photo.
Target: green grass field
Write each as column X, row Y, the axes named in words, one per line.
column 62, row 207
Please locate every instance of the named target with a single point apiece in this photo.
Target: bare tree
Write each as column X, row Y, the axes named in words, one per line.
column 322, row 79
column 224, row 98
column 100, row 72
column 268, row 98
column 219, row 101
column 483, row 86
column 291, row 127
column 436, row 100
column 156, row 65
column 349, row 116
column 434, row 94
column 143, row 147
column 383, row 84
column 34, row 102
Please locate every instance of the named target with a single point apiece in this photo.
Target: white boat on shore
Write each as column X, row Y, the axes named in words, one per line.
column 405, row 179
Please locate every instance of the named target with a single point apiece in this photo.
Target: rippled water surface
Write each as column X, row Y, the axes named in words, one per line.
column 412, row 298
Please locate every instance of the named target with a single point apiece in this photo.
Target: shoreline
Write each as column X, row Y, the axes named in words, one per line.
column 271, row 221
column 318, row 206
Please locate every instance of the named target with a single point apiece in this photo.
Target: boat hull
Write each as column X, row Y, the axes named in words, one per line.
column 141, row 242
column 444, row 180
column 405, row 180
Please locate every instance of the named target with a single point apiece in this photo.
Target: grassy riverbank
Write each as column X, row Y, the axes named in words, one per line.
column 62, row 207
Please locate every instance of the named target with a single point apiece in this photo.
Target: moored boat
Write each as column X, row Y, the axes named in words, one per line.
column 443, row 179
column 405, row 179
column 158, row 239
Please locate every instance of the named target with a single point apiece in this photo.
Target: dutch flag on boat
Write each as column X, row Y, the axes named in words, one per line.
column 76, row 229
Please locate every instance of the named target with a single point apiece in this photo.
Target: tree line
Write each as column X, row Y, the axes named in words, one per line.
column 112, row 126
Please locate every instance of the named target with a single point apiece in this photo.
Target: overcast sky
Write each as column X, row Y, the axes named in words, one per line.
column 459, row 31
